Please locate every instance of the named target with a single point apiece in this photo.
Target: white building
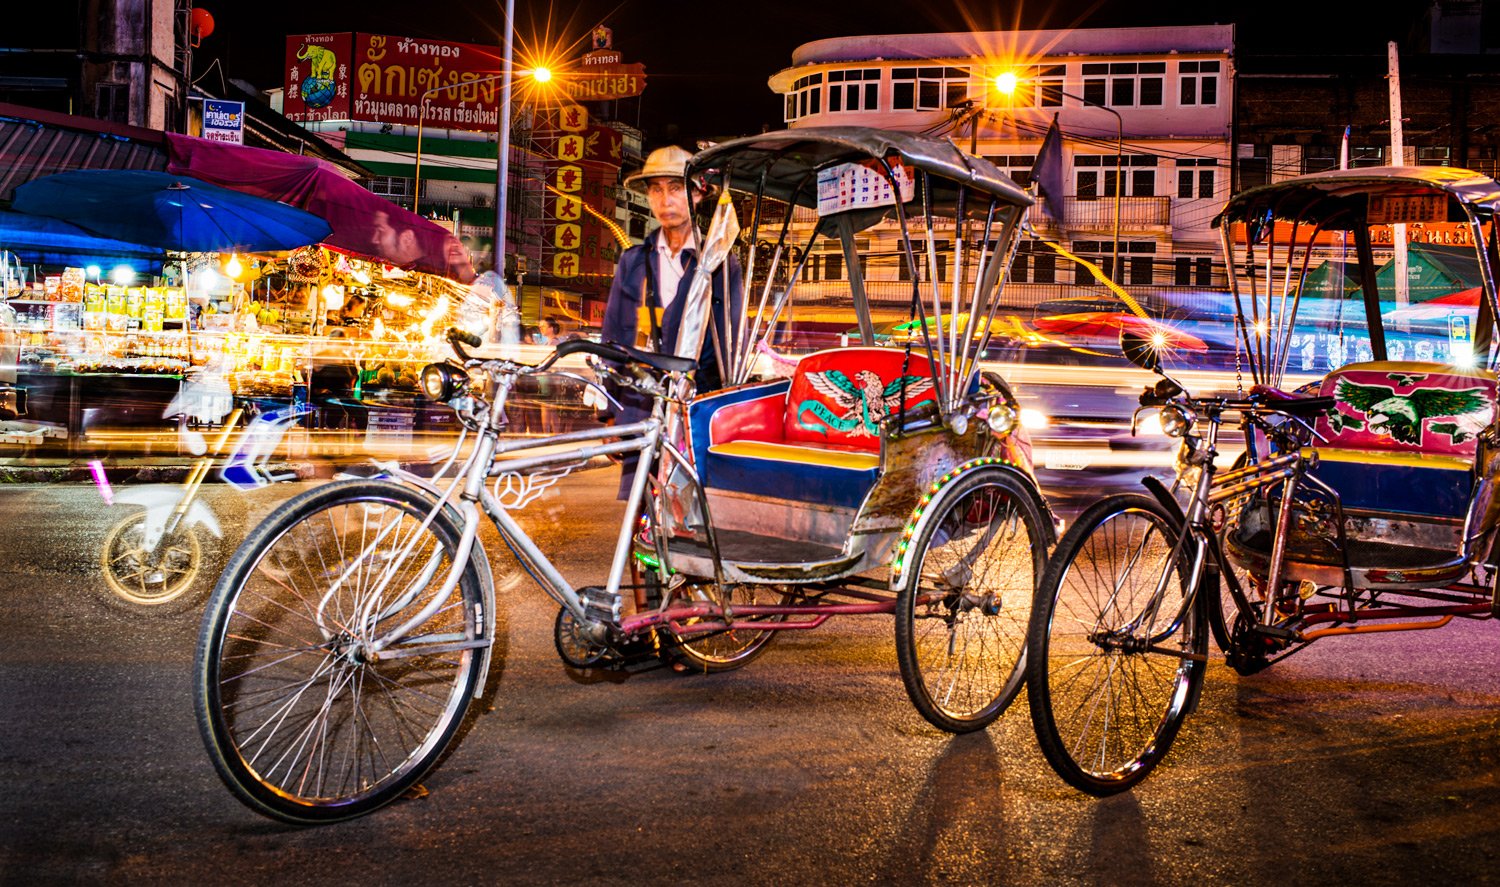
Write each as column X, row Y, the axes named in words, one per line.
column 1159, row 98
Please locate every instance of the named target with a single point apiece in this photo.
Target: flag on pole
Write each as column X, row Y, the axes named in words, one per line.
column 1047, row 172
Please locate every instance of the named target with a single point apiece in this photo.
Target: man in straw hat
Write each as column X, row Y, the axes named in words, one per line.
column 652, row 280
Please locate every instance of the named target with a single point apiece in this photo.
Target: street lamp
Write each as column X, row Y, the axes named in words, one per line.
column 1005, row 83
column 540, row 75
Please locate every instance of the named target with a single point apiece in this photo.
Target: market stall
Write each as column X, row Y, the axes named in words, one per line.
column 343, row 334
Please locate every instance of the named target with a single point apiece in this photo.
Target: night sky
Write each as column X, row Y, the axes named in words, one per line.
column 707, row 63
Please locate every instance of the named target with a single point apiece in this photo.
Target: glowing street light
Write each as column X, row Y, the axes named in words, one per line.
column 123, row 275
column 1006, row 83
column 538, row 74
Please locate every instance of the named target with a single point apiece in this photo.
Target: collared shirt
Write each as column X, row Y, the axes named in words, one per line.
column 669, row 269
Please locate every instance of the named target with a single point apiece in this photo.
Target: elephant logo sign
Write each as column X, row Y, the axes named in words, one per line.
column 317, row 88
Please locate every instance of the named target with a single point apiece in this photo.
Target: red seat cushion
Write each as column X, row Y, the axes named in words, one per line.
column 842, row 396
column 1407, row 406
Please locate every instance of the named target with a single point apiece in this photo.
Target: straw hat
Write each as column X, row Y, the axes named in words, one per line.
column 669, row 163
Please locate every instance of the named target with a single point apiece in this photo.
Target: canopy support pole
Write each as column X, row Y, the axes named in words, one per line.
column 1371, row 287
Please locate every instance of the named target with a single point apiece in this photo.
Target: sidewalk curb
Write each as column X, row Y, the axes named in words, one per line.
column 68, row 471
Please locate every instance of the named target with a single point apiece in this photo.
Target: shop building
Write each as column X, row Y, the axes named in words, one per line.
column 1145, row 114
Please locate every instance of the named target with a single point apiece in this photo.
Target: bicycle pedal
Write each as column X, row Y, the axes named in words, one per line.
column 600, row 605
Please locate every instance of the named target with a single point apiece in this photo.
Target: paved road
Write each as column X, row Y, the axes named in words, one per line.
column 1372, row 759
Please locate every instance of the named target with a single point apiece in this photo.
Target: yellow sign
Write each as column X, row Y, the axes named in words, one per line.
column 565, row 265
column 567, row 209
column 567, row 236
column 569, row 178
column 572, row 118
column 570, row 147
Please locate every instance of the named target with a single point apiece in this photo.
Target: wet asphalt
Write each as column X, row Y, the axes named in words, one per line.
column 1370, row 759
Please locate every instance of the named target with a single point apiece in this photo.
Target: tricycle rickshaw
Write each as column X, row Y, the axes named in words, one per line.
column 349, row 632
column 1364, row 502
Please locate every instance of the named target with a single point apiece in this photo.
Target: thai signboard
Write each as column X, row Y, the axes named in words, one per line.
column 224, row 121
column 384, row 79
column 602, row 83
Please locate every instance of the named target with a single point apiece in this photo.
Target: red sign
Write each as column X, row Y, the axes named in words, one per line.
column 317, row 77
column 395, row 76
column 601, row 83
column 384, row 79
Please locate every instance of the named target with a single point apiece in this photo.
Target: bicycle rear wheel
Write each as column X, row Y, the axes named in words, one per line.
column 1115, row 667
column 723, row 650
column 304, row 721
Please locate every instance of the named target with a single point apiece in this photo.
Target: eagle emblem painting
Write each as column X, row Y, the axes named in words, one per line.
column 865, row 401
column 1380, row 410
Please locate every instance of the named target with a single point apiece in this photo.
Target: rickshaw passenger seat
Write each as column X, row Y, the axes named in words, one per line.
column 815, row 438
column 1401, row 436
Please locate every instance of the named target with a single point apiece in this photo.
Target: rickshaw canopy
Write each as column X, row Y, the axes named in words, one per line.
column 788, row 157
column 1338, row 199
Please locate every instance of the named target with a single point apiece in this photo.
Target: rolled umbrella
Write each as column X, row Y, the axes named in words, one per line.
column 169, row 211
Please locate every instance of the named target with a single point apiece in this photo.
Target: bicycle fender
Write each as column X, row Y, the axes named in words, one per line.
column 1164, row 497
column 901, row 560
column 201, row 515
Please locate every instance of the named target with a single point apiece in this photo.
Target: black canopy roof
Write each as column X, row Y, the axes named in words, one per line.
column 790, row 159
column 1338, row 198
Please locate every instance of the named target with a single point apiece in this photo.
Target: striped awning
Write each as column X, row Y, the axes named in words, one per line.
column 35, row 143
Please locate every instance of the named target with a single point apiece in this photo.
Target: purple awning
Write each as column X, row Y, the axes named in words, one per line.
column 363, row 223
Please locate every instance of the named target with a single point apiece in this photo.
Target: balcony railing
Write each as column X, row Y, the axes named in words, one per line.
column 1135, row 212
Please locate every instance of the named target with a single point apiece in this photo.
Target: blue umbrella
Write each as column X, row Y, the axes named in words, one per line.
column 38, row 239
column 169, row 211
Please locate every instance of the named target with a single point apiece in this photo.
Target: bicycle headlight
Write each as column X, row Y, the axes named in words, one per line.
column 1002, row 418
column 442, row 381
column 1176, row 420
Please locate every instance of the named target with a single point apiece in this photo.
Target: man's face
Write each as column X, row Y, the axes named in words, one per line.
column 398, row 247
column 669, row 202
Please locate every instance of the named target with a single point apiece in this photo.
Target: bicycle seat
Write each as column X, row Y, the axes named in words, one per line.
column 667, row 363
column 1289, row 403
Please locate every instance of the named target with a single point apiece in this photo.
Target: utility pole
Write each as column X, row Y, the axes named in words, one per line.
column 1398, row 232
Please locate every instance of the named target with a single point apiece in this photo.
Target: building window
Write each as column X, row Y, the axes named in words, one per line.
column 1433, row 156
column 391, row 186
column 1017, row 166
column 1038, row 87
column 1198, row 83
column 1193, row 271
column 1138, row 258
column 1366, row 156
column 1096, row 175
column 857, row 90
column 805, row 98
column 112, row 102
column 1035, row 262
column 1254, row 163
column 1195, row 177
column 928, row 89
column 1124, row 84
column 944, row 251
column 1319, row 158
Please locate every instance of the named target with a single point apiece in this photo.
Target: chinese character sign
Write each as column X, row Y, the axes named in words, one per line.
column 317, row 77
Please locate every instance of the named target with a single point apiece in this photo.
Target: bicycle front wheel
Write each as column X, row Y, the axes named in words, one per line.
column 1117, row 659
column 137, row 578
column 304, row 719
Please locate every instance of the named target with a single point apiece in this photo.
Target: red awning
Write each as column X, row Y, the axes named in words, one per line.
column 363, row 223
